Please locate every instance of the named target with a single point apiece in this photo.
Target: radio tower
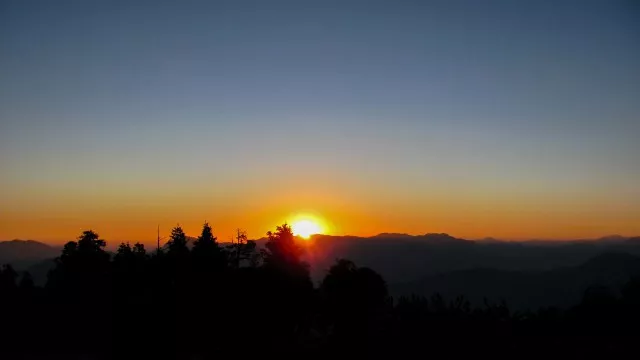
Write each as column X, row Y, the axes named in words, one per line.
column 158, row 248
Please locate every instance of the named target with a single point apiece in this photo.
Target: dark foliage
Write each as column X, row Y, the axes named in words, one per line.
column 213, row 301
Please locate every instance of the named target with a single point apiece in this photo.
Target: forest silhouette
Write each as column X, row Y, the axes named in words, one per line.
column 208, row 300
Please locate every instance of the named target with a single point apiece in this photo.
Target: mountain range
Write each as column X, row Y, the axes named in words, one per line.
column 24, row 253
column 525, row 274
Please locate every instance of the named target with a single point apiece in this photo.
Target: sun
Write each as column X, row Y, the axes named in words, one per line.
column 305, row 228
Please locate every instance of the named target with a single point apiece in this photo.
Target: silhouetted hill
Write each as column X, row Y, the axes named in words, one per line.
column 398, row 257
column 489, row 240
column 444, row 239
column 561, row 287
column 612, row 239
column 24, row 253
column 391, row 235
column 401, row 257
column 633, row 241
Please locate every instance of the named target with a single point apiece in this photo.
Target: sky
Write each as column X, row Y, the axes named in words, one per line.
column 510, row 119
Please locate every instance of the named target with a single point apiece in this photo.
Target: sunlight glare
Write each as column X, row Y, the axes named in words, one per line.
column 305, row 228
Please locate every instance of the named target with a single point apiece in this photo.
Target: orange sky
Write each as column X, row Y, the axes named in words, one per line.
column 58, row 216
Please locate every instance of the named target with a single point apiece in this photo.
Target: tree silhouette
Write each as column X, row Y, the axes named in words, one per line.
column 207, row 254
column 8, row 277
column 206, row 241
column 139, row 250
column 10, row 303
column 124, row 252
column 177, row 245
column 81, row 276
column 356, row 301
column 631, row 291
column 130, row 255
column 283, row 254
column 130, row 286
column 206, row 287
column 176, row 288
column 196, row 304
column 243, row 252
column 82, row 264
column 129, row 264
column 26, row 281
column 289, row 293
column 90, row 243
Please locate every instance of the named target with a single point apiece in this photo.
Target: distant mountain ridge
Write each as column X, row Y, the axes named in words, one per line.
column 392, row 235
column 20, row 252
column 560, row 287
column 400, row 258
column 403, row 257
column 29, row 255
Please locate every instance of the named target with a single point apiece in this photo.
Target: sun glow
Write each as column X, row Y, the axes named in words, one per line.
column 305, row 228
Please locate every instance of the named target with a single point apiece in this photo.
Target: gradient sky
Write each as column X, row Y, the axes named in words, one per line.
column 511, row 119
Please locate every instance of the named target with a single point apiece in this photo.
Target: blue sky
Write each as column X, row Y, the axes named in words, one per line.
column 398, row 102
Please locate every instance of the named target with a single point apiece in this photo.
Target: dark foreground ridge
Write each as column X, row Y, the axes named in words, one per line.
column 211, row 300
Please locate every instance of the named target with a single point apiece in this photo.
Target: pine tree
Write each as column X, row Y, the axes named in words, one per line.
column 177, row 242
column 207, row 254
column 206, row 241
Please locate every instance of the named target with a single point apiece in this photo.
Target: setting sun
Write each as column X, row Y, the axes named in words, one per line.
column 305, row 228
